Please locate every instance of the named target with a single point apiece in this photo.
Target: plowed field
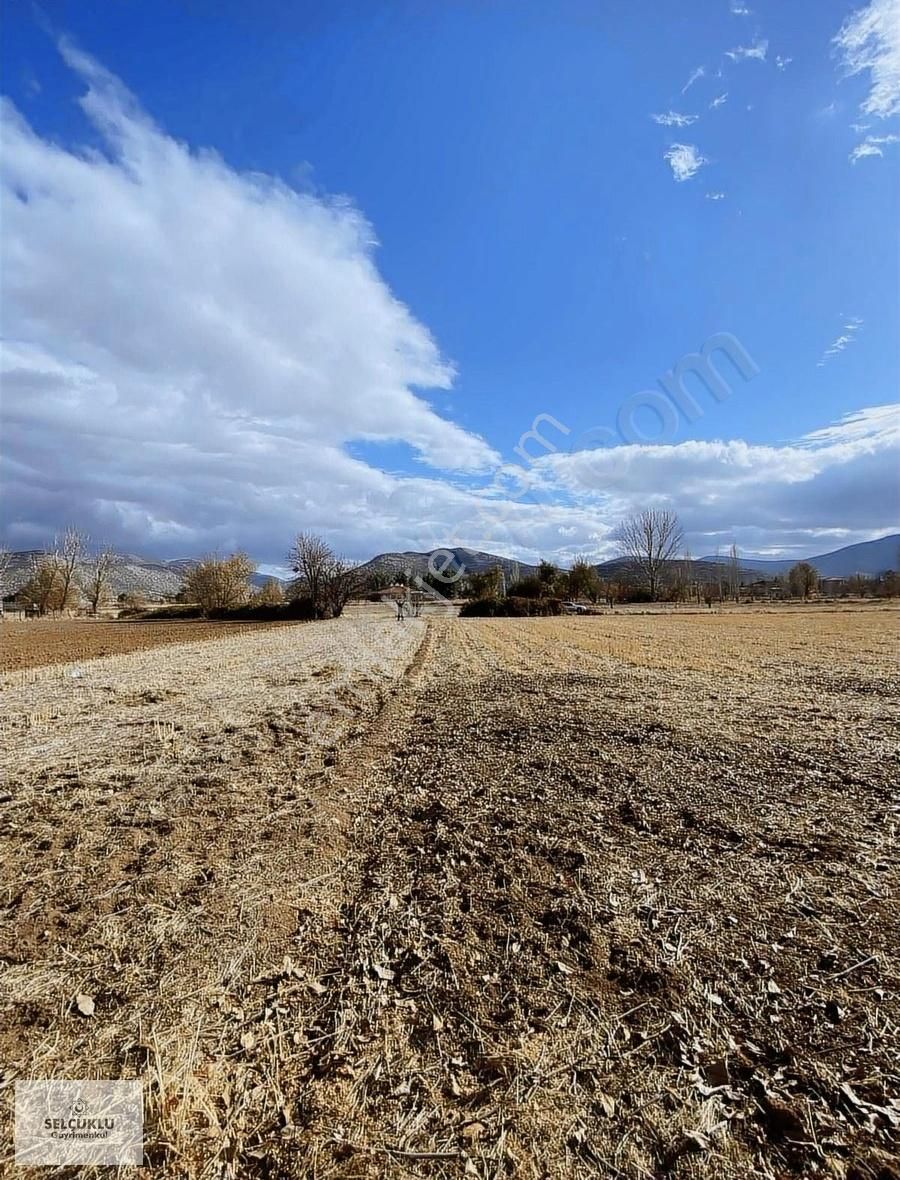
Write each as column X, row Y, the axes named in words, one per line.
column 611, row 897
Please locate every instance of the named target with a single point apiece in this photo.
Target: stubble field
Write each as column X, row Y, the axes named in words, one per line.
column 569, row 897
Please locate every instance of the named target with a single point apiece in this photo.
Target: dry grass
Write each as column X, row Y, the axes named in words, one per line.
column 578, row 897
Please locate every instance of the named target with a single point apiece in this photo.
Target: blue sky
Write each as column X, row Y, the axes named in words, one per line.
column 399, row 232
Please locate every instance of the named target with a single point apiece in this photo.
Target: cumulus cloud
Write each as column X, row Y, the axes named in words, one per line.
column 872, row 145
column 840, row 480
column 685, row 160
column 847, row 336
column 755, row 52
column 167, row 316
column 673, row 119
column 198, row 358
column 869, row 41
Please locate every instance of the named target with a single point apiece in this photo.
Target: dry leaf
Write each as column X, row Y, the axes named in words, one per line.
column 608, row 1103
column 562, row 968
column 772, row 988
column 382, row 972
column 436, row 1023
column 248, row 1040
column 318, row 989
column 85, row 1004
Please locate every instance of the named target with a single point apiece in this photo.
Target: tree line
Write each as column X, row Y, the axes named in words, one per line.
column 655, row 565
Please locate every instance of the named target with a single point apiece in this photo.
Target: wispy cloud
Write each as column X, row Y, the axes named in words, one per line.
column 755, row 52
column 673, row 119
column 697, row 74
column 869, row 39
column 719, row 100
column 783, row 62
column 715, row 196
column 846, row 338
column 871, row 146
column 685, row 160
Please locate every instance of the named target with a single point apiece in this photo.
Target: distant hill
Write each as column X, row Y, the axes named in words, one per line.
column 472, row 560
column 133, row 574
column 868, row 557
column 702, row 569
column 156, row 579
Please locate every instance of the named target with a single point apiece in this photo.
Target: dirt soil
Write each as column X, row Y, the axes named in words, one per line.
column 36, row 643
column 608, row 897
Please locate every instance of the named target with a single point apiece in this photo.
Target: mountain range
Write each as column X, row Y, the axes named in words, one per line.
column 156, row 579
column 868, row 557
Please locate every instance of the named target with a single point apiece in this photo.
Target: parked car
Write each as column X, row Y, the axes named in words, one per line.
column 574, row 608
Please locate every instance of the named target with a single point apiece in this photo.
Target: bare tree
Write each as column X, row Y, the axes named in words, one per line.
column 310, row 558
column 326, row 579
column 220, row 583
column 342, row 581
column 649, row 541
column 803, row 579
column 270, row 593
column 45, row 589
column 97, row 571
column 734, row 573
column 5, row 559
column 67, row 552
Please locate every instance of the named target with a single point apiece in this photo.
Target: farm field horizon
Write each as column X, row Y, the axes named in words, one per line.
column 565, row 896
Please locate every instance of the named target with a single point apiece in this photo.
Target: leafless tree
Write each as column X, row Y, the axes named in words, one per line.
column 97, row 571
column 45, row 589
column 310, row 558
column 219, row 583
column 734, row 573
column 270, row 593
column 5, row 559
column 68, row 550
column 649, row 541
column 803, row 579
column 327, row 580
column 342, row 582
column 683, row 577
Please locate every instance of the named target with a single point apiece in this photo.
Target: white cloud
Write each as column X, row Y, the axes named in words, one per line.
column 171, row 323
column 847, row 336
column 696, row 75
column 198, row 358
column 718, row 101
column 685, row 160
column 738, row 8
column 872, row 146
column 715, row 196
column 783, row 62
column 841, row 479
column 869, row 40
column 673, row 119
column 755, row 52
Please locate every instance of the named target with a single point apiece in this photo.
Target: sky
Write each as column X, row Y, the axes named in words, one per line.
column 491, row 273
